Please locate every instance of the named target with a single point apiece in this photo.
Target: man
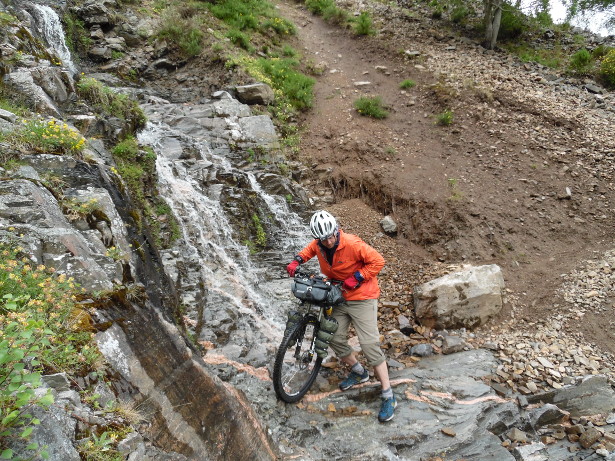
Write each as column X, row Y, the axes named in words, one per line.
column 346, row 257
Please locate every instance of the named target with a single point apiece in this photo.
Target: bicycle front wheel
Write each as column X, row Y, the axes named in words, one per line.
column 296, row 363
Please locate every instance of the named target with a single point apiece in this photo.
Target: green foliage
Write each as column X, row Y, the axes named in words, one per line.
column 290, row 84
column 239, row 38
column 601, row 51
column 544, row 19
column 512, row 24
column 371, row 107
column 552, row 58
column 607, row 69
column 581, row 61
column 41, row 329
column 407, row 83
column 77, row 35
column 459, row 14
column 445, row 118
column 364, row 25
column 289, row 52
column 260, row 238
column 100, row 448
column 46, row 137
column 184, row 32
column 279, row 25
column 110, row 102
column 319, row 6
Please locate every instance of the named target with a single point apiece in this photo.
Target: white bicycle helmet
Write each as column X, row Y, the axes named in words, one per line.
column 322, row 224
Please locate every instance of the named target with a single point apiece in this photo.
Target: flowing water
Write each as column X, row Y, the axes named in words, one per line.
column 51, row 30
column 231, row 277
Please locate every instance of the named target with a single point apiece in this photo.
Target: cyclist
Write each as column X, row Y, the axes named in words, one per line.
column 346, row 257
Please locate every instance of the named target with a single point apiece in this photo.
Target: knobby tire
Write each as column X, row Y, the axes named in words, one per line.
column 302, row 371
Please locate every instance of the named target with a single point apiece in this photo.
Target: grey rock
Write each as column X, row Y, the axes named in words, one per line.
column 389, row 225
column 421, row 350
column 257, row 93
column 452, row 344
column 463, row 299
column 8, row 116
column 592, row 396
column 532, row 452
column 547, row 414
column 58, row 381
column 130, row 443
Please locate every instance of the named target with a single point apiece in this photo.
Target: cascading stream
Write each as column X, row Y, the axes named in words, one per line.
column 223, row 265
column 51, row 29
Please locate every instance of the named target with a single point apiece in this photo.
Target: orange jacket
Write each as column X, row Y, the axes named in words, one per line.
column 352, row 254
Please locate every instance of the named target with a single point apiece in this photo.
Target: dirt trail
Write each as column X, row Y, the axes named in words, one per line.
column 480, row 191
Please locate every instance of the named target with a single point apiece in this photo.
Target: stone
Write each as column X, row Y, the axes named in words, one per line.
column 389, row 226
column 421, row 350
column 594, row 395
column 257, row 93
column 589, row 437
column 467, row 298
column 517, row 435
column 547, row 414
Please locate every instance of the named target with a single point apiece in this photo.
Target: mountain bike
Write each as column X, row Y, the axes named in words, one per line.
column 306, row 338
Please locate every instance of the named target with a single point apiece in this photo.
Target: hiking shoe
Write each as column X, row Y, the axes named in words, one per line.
column 353, row 379
column 387, row 409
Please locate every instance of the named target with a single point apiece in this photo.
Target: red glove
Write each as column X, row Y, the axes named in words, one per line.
column 292, row 268
column 350, row 283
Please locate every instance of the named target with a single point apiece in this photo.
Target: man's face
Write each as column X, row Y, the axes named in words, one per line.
column 329, row 241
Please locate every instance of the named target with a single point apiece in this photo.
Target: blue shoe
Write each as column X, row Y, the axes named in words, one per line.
column 387, row 409
column 353, row 379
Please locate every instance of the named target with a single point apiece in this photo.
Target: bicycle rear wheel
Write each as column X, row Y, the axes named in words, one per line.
column 296, row 364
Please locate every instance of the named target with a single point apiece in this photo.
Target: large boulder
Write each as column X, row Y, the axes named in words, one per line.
column 462, row 299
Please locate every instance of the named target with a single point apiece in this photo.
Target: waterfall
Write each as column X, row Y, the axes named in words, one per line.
column 217, row 261
column 51, row 29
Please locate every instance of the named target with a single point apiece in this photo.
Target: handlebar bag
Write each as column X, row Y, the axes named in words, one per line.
column 316, row 290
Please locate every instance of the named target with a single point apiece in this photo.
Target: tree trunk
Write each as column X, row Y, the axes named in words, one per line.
column 493, row 16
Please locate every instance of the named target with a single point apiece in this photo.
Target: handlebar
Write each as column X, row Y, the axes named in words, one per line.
column 309, row 275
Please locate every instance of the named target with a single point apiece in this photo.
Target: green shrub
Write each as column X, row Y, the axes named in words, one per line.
column 512, row 24
column 363, row 24
column 292, row 85
column 607, row 69
column 445, row 118
column 280, row 26
column 186, row 33
column 581, row 61
column 110, row 102
column 240, row 14
column 408, row 83
column 319, row 6
column 371, row 107
column 544, row 19
column 459, row 14
column 289, row 51
column 600, row 51
column 239, row 38
column 335, row 15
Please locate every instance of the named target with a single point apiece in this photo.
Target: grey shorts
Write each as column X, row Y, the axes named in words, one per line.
column 363, row 315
